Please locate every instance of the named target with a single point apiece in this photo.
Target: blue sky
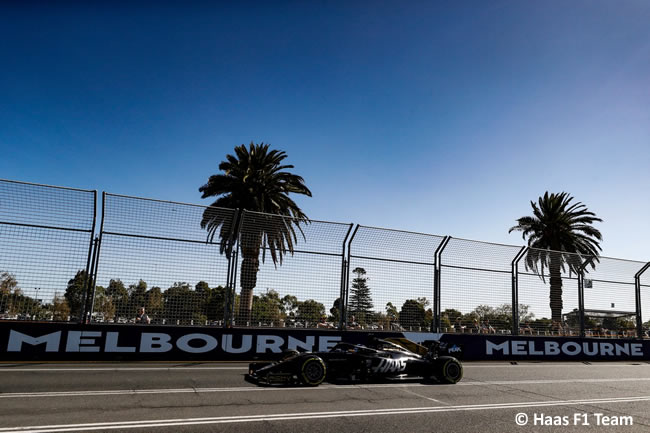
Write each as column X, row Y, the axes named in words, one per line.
column 440, row 117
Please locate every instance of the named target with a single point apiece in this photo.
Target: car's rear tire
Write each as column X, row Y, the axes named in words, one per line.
column 450, row 370
column 312, row 371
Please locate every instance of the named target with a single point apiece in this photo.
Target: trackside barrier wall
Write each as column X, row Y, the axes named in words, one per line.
column 31, row 341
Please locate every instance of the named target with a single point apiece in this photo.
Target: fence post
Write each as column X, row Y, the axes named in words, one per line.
column 232, row 291
column 345, row 267
column 637, row 287
column 344, row 299
column 91, row 278
column 86, row 314
column 435, row 324
column 581, row 302
column 98, row 246
column 515, row 290
column 581, row 294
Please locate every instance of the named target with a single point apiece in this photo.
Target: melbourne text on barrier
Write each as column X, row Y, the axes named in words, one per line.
column 570, row 348
column 158, row 342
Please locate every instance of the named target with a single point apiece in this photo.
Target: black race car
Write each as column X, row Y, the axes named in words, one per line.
column 390, row 358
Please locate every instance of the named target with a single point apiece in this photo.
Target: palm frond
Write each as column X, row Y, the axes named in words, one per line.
column 255, row 180
column 564, row 229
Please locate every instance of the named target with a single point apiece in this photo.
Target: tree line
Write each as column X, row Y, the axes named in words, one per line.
column 183, row 304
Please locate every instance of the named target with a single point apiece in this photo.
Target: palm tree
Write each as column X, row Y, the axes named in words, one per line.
column 254, row 179
column 559, row 234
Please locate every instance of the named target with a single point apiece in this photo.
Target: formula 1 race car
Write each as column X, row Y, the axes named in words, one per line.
column 390, row 358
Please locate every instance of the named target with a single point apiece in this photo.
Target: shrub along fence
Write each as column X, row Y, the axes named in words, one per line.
column 197, row 265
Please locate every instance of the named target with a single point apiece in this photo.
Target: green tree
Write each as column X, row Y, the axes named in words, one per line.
column 119, row 297
column 60, row 309
column 255, row 179
column 391, row 312
column 180, row 303
column 22, row 304
column 216, row 303
column 202, row 288
column 103, row 304
column 7, row 283
column 154, row 303
column 506, row 310
column 557, row 227
column 452, row 314
column 382, row 321
column 137, row 297
column 290, row 306
column 412, row 314
column 310, row 312
column 8, row 286
column 445, row 323
column 203, row 292
column 211, row 300
column 428, row 313
column 75, row 293
column 268, row 308
column 499, row 317
column 360, row 300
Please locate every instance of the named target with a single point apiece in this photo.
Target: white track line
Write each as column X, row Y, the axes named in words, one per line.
column 49, row 370
column 547, row 381
column 100, row 393
column 179, row 422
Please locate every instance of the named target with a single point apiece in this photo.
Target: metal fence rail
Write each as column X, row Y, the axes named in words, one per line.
column 197, row 265
column 45, row 249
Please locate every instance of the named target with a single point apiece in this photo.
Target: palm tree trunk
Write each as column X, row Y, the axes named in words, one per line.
column 555, row 296
column 251, row 241
column 249, row 268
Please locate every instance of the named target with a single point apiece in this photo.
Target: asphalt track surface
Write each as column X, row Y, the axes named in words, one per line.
column 213, row 397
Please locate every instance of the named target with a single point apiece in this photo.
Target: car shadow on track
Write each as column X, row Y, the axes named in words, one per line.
column 348, row 382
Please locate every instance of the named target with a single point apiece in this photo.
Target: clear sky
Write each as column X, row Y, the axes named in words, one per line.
column 440, row 117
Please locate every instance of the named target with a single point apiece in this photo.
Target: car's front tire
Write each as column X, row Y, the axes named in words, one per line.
column 312, row 371
column 450, row 370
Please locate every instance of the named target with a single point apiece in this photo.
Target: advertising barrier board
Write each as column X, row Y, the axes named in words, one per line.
column 34, row 341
